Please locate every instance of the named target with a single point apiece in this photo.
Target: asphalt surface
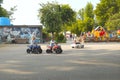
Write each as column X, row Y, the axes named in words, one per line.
column 97, row 61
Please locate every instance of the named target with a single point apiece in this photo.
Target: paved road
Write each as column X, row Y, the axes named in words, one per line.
column 97, row 61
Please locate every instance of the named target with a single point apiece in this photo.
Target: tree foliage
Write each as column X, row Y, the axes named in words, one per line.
column 89, row 17
column 85, row 20
column 89, row 10
column 114, row 22
column 78, row 27
column 81, row 14
column 67, row 14
column 50, row 17
column 5, row 13
column 54, row 16
column 11, row 12
column 105, row 9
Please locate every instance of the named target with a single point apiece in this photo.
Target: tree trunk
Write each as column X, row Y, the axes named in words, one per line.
column 52, row 34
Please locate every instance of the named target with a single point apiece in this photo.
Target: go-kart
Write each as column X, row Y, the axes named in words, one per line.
column 77, row 45
column 55, row 49
column 36, row 49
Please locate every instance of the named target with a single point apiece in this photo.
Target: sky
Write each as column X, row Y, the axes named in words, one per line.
column 27, row 10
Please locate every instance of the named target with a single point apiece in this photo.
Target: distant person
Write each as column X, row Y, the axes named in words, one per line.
column 82, row 39
column 70, row 36
column 55, row 45
column 52, row 43
column 77, row 40
column 33, row 38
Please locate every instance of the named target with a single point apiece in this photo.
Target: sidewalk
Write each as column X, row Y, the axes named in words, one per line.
column 3, row 44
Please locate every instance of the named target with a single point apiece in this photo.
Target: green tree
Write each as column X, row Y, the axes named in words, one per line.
column 50, row 17
column 11, row 12
column 77, row 27
column 67, row 14
column 105, row 9
column 85, row 20
column 89, row 10
column 89, row 17
column 3, row 12
column 55, row 17
column 114, row 22
column 81, row 14
column 45, row 34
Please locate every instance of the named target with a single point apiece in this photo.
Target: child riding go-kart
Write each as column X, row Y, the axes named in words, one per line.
column 78, row 43
column 34, row 47
column 54, row 48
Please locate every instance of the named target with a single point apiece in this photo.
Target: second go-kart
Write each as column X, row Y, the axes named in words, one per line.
column 36, row 49
column 77, row 45
column 55, row 49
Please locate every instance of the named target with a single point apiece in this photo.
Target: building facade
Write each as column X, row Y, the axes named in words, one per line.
column 11, row 33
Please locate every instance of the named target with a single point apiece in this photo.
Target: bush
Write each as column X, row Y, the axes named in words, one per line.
column 46, row 37
column 60, row 38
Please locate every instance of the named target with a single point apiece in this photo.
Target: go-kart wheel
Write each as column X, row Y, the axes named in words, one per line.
column 36, row 51
column 58, row 51
column 48, row 51
column 82, row 46
column 28, row 50
column 61, row 51
column 40, row 51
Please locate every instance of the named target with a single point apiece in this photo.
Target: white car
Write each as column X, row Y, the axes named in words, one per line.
column 77, row 45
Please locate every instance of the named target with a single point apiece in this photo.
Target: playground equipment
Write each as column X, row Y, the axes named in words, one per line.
column 99, row 33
